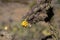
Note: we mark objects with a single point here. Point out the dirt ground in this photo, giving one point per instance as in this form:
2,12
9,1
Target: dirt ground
12,11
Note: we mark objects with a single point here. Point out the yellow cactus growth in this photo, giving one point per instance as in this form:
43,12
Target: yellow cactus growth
24,23
46,32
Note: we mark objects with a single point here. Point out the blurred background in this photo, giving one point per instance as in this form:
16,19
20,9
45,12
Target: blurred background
11,13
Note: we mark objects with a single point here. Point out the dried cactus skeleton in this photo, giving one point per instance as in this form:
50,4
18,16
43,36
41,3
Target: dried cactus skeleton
42,7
